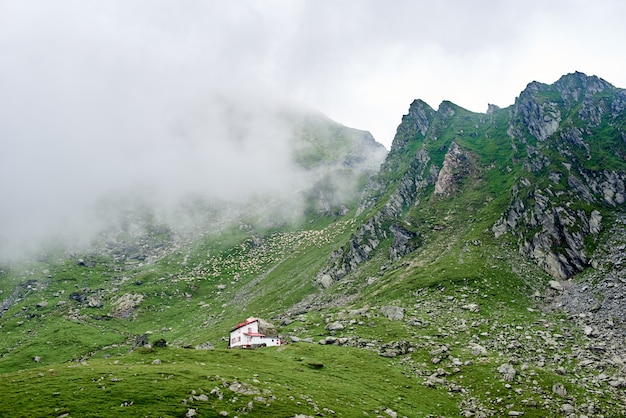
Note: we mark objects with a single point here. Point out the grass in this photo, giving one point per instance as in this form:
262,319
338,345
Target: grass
280,382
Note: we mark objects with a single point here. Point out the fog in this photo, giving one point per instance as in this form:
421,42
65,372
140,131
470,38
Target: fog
94,115
158,100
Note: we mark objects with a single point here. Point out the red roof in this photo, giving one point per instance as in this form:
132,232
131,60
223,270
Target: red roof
244,323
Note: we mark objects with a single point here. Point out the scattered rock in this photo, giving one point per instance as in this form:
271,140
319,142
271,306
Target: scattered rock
124,306
156,361
37,359
395,348
42,304
472,307
205,346
330,340
243,388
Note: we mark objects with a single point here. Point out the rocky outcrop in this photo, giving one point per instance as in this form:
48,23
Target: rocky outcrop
414,124
456,166
551,234
540,119
565,129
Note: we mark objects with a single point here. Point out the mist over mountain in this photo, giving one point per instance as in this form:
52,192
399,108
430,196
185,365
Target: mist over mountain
70,170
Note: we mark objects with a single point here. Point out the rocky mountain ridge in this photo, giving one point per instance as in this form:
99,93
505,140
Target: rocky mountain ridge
563,150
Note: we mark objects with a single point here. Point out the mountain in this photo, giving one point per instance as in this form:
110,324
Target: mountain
555,159
476,272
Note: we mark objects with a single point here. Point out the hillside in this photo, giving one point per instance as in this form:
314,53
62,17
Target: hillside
477,273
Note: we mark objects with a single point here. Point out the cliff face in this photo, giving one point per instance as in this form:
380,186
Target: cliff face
551,168
574,137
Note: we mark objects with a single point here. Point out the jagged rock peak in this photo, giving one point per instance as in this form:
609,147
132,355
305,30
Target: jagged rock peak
421,113
491,109
572,87
416,121
576,83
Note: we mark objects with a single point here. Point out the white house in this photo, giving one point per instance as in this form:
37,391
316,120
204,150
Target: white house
252,333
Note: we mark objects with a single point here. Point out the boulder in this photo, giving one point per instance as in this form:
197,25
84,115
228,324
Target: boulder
477,349
161,343
395,313
94,302
141,340
556,285
335,326
507,371
559,389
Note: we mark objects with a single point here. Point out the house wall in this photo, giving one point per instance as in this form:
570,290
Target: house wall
239,339
268,341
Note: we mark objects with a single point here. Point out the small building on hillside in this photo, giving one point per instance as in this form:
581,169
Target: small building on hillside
253,333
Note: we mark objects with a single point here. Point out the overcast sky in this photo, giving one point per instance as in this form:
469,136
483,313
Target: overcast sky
94,94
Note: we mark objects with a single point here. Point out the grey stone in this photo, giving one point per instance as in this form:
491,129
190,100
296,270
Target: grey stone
555,285
559,389
395,313
205,346
508,372
335,326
